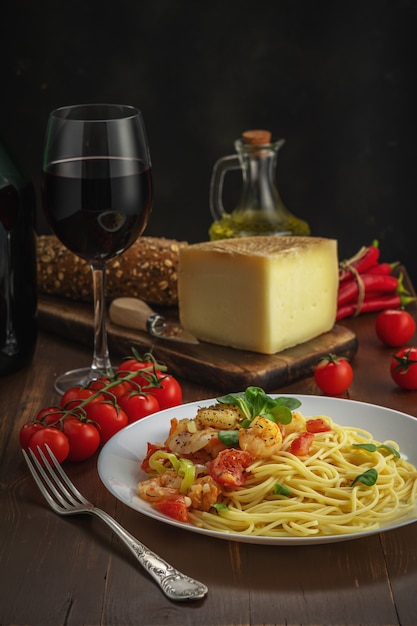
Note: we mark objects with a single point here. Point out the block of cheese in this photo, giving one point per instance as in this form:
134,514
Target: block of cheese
263,294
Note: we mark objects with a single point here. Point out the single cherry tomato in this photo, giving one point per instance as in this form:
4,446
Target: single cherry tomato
129,365
137,405
52,437
76,395
404,367
135,365
49,415
167,390
395,327
109,417
70,394
99,383
174,507
117,387
333,375
124,386
302,444
317,425
147,371
83,437
228,468
26,433
144,377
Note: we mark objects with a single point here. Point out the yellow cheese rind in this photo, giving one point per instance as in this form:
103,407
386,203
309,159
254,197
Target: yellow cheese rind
263,294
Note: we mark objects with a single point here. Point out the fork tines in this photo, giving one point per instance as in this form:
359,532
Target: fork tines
53,482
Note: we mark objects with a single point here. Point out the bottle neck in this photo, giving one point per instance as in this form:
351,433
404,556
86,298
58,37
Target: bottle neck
259,191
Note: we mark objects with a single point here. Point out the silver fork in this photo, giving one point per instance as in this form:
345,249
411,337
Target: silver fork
65,499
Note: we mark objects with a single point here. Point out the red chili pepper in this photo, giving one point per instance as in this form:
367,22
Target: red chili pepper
374,295
380,303
349,291
361,262
382,268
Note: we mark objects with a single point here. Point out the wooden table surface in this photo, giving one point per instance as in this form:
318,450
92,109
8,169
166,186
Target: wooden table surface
73,571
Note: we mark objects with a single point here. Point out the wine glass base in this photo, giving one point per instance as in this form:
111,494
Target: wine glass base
81,376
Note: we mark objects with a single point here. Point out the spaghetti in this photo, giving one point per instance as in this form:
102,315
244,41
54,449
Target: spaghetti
323,493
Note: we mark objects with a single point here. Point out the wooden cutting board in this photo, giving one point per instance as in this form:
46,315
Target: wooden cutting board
224,369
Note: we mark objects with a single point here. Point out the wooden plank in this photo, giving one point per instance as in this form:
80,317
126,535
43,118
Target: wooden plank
216,366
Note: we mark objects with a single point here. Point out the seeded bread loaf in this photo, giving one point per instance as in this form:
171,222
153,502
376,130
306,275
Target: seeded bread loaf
147,270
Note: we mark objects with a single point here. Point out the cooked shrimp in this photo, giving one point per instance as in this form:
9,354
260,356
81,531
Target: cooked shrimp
221,416
203,493
182,425
297,424
261,439
185,439
160,487
185,443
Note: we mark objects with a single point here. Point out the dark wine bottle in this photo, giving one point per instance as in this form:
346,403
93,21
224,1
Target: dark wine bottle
18,288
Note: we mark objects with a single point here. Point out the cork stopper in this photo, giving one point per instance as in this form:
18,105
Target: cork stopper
256,137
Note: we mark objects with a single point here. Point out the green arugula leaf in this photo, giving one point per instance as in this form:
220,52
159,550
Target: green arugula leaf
255,402
219,506
368,478
281,490
371,447
229,438
238,399
290,403
390,449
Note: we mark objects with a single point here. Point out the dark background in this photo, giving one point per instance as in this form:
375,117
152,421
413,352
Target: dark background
336,79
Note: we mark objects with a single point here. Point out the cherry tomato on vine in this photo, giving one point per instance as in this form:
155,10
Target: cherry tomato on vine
121,388
135,365
70,394
49,415
404,367
333,375
75,395
52,437
137,405
99,383
83,437
116,390
130,365
168,392
109,417
26,433
395,327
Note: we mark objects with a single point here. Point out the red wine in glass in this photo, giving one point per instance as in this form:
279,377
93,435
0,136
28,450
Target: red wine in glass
99,216
97,196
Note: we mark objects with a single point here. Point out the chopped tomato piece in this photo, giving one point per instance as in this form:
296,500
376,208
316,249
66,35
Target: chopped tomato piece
174,507
302,444
228,468
317,425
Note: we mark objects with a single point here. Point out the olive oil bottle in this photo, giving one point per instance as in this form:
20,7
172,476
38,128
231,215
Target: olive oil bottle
260,210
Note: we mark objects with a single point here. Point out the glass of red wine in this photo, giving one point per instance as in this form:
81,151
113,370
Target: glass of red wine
97,196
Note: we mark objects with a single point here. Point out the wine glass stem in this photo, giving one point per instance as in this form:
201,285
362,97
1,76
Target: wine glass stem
101,360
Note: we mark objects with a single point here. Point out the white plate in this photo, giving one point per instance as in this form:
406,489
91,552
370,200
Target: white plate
119,460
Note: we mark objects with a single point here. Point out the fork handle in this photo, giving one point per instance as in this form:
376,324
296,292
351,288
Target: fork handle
174,584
